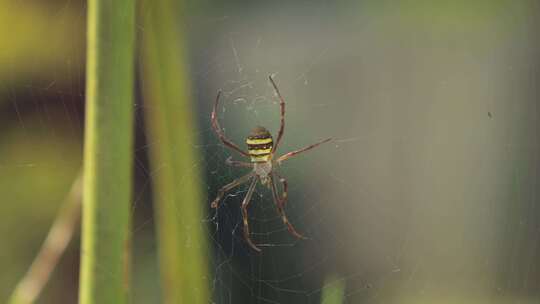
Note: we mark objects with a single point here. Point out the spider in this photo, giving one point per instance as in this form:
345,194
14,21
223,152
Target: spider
261,151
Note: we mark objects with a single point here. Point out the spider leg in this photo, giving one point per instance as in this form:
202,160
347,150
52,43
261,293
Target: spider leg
235,183
245,204
286,156
285,189
236,163
282,114
280,203
220,132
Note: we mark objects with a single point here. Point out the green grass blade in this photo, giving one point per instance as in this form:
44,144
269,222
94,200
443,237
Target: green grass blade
333,291
108,152
178,198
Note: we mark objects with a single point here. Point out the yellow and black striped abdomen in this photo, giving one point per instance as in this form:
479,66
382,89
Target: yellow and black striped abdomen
260,144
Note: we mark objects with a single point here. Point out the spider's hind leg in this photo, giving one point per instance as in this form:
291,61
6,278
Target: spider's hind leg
228,187
280,204
245,204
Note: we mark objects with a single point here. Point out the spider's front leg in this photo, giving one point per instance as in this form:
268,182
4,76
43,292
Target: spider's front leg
219,131
286,156
281,114
235,163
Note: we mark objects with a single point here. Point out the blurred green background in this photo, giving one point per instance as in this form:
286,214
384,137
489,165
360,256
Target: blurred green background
427,195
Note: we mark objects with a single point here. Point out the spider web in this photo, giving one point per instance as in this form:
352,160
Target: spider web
283,272
288,270
426,194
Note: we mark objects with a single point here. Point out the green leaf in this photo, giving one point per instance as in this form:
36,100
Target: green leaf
108,152
176,177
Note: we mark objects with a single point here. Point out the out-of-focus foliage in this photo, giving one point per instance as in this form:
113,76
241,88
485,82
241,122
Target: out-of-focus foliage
41,45
37,164
178,196
41,40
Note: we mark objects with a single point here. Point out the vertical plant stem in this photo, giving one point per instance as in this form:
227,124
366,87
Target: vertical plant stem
107,152
179,201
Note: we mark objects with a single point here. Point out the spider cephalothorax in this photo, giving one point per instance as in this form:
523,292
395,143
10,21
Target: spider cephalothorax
261,149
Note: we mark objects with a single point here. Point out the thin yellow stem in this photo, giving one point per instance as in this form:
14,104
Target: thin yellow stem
31,285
